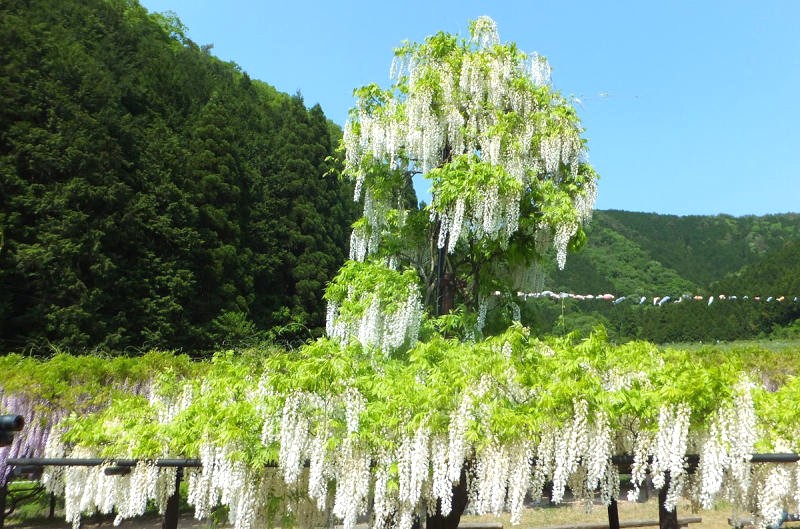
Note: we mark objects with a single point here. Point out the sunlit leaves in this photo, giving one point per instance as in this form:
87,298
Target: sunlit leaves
375,305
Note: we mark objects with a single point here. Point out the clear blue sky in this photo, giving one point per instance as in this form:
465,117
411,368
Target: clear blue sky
690,107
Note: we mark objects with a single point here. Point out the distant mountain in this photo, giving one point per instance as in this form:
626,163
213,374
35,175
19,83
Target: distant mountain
631,253
646,254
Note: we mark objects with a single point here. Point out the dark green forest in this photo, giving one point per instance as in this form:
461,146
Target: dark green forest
152,195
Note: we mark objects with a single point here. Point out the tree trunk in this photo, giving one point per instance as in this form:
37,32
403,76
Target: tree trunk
438,521
445,299
447,293
445,285
666,519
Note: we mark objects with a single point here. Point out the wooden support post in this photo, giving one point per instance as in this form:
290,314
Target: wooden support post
613,515
52,514
173,504
666,519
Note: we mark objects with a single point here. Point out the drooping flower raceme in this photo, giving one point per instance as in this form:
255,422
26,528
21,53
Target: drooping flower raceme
374,305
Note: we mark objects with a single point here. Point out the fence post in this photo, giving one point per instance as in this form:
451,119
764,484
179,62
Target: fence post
173,503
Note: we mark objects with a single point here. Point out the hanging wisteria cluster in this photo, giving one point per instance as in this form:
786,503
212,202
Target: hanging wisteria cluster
365,238
483,206
30,442
478,99
41,415
88,489
376,327
376,306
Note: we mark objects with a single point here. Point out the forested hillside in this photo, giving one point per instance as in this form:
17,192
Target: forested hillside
649,255
778,271
152,195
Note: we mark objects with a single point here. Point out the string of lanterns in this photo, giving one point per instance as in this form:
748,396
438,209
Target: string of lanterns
655,300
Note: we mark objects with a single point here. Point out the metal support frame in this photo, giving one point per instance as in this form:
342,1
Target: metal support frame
173,504
613,515
97,461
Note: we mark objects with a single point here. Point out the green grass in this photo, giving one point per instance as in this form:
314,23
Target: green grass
32,502
577,512
777,345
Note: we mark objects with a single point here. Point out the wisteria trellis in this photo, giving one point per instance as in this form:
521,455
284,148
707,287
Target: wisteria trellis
387,440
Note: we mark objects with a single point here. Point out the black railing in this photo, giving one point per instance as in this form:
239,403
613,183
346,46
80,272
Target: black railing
32,465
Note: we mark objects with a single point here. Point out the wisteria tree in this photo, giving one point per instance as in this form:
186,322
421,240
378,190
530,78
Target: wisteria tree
503,154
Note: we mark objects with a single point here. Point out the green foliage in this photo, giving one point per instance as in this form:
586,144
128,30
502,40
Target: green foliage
78,384
508,390
522,386
235,328
469,179
778,411
357,284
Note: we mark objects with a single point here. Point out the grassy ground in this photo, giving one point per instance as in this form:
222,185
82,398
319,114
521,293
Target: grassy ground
578,513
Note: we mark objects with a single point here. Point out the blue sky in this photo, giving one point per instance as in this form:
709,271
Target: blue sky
690,107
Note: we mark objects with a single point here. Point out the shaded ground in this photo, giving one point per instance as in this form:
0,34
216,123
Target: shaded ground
186,521
577,513
532,518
